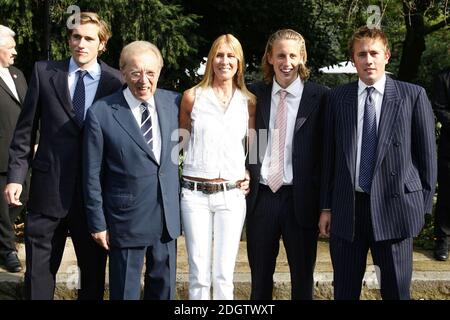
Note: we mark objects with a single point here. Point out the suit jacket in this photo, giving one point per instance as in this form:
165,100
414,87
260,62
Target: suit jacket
306,149
9,112
441,106
125,188
56,167
405,172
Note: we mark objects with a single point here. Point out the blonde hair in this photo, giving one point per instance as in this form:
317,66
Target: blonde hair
238,78
91,17
139,47
284,34
370,33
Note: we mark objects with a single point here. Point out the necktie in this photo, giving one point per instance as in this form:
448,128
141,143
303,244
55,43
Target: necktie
369,143
275,179
79,97
146,125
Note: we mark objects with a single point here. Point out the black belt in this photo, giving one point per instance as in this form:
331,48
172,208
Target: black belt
208,187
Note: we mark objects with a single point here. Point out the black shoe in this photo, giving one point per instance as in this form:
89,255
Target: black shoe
11,262
441,249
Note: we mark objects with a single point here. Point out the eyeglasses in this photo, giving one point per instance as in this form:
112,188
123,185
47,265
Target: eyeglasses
137,75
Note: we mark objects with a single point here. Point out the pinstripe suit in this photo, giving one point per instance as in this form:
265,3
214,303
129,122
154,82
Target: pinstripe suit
293,211
403,185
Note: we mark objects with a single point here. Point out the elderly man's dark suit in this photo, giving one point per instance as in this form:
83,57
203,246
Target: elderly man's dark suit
133,196
56,202
298,223
403,184
9,113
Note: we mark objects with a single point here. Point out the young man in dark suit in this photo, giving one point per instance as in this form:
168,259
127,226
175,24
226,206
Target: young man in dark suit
131,180
441,106
58,97
284,173
379,171
13,87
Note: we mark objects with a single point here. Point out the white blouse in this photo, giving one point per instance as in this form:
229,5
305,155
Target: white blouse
216,147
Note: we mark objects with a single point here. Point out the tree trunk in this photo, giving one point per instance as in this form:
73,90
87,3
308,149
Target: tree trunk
414,43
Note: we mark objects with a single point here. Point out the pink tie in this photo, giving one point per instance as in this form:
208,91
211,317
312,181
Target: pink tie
275,179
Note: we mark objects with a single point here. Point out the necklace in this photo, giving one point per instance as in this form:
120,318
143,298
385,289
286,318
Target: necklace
224,99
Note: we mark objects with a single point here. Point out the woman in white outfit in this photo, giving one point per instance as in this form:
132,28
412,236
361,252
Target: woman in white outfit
217,115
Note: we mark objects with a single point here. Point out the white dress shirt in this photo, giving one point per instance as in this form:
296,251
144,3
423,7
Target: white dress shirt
91,81
377,96
7,78
137,113
293,97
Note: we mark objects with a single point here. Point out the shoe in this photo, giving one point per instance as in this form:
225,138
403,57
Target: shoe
11,262
441,249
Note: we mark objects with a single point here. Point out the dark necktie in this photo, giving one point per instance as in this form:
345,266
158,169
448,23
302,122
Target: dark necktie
146,125
369,143
79,97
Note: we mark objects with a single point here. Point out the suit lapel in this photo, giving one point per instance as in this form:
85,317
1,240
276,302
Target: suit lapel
60,85
21,89
263,108
307,105
105,80
389,111
348,112
5,86
164,121
126,120
266,100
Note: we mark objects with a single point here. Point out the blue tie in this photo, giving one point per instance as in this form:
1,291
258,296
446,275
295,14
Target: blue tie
146,125
369,143
79,98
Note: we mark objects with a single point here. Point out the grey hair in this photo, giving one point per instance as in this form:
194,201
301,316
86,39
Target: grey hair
137,47
5,32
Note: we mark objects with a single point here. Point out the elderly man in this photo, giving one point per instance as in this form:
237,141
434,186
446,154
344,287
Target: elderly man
12,93
131,183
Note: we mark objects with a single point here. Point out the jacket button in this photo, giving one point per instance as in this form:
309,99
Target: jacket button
395,195
396,144
393,173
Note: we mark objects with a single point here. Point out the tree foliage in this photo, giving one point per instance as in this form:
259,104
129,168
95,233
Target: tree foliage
252,22
164,24
185,29
410,26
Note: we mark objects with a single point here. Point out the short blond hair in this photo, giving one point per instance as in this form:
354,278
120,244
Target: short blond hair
104,33
370,33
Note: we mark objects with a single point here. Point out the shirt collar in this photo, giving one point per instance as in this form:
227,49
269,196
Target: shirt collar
295,88
379,85
94,71
5,71
135,103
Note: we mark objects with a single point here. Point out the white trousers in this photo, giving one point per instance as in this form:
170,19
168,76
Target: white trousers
212,227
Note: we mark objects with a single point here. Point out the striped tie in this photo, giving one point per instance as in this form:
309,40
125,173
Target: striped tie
275,179
369,143
146,125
